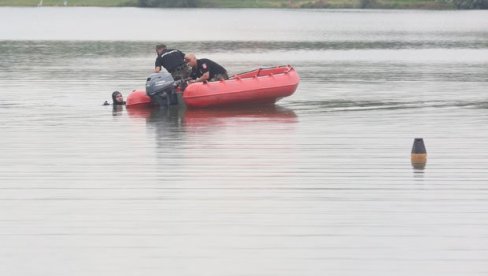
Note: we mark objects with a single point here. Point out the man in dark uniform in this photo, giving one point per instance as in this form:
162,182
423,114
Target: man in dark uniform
173,61
205,69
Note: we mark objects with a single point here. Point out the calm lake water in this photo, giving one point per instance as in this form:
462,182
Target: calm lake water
320,184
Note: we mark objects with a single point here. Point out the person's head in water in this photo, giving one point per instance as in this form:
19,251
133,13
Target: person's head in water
117,98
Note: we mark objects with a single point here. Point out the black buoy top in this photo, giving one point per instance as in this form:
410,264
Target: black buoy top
418,146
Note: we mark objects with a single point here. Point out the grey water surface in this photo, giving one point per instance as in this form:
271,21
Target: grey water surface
319,184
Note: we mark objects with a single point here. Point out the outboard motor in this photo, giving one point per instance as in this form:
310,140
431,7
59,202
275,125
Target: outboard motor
161,87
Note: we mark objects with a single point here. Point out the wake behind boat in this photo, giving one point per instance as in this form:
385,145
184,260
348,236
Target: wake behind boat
260,86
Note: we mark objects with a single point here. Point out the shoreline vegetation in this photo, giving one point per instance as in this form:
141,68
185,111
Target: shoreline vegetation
287,4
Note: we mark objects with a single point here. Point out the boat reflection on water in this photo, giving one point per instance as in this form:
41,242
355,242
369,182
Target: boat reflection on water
140,112
238,116
188,119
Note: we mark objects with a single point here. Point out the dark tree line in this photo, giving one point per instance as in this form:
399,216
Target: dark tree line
470,4
459,4
168,3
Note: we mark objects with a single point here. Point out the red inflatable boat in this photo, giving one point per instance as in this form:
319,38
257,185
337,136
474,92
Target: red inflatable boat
260,86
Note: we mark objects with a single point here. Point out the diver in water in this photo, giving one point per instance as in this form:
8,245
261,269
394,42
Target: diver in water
117,98
117,102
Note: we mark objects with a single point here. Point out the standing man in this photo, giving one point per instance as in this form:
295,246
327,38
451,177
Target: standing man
205,69
173,61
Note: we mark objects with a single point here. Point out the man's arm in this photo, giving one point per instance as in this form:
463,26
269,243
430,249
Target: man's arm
204,77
